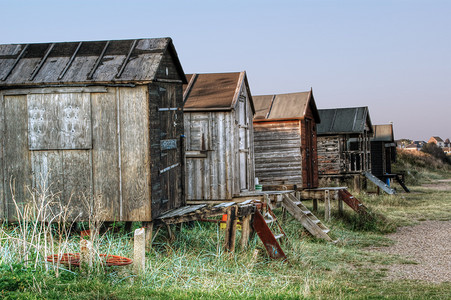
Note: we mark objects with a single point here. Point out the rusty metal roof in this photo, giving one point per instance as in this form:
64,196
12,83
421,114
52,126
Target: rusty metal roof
214,91
119,61
344,120
284,106
383,133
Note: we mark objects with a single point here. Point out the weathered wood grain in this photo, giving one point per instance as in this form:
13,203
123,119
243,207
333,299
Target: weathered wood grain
17,168
105,153
135,156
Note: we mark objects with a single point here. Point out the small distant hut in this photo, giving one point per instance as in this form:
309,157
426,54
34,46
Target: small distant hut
285,140
344,141
92,120
383,150
218,115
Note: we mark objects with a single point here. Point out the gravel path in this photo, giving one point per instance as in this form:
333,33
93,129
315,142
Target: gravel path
428,244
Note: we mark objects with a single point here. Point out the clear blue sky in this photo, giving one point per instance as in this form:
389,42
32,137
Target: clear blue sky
393,56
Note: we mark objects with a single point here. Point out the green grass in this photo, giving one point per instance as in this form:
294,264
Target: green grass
195,265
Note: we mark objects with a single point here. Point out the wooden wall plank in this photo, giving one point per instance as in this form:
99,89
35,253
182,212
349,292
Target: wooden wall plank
105,154
135,154
3,209
77,177
17,161
278,162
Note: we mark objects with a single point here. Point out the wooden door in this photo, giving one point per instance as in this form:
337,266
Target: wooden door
243,132
166,180
309,165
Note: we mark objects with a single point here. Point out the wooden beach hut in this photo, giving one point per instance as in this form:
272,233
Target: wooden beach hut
383,150
218,114
344,141
285,140
96,123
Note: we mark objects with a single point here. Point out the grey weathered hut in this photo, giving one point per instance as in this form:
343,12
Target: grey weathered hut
218,114
96,120
383,150
344,141
285,140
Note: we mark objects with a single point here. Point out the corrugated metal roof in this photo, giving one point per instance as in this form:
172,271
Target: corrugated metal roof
214,91
85,62
383,133
284,106
344,120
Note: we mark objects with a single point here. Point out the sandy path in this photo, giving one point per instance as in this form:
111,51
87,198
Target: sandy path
429,245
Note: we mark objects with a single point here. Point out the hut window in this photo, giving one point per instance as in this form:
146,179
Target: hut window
199,135
59,121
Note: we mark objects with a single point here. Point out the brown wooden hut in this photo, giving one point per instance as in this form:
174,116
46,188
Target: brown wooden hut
383,150
344,141
285,140
218,114
92,120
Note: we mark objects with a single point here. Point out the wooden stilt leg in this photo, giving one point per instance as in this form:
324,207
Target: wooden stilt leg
245,231
149,228
230,232
327,205
315,205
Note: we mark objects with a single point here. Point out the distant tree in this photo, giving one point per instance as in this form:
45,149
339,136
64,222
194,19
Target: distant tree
435,151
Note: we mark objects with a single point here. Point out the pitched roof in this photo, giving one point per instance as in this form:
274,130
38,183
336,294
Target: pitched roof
119,61
285,106
383,133
214,91
344,120
436,138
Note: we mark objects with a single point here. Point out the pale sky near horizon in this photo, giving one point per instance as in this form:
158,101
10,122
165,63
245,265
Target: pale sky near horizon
392,56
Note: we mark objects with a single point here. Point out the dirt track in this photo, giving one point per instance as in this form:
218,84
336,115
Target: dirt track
429,245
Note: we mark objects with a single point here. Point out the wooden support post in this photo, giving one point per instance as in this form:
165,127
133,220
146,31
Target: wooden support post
327,205
245,231
149,229
230,232
357,183
340,203
128,226
139,251
315,205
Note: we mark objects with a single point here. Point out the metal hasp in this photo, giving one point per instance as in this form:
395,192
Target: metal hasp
269,240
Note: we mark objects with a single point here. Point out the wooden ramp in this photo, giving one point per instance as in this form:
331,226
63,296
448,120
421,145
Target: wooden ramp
352,202
379,183
306,217
267,236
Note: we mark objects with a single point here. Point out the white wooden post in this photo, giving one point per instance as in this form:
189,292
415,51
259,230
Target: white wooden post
139,251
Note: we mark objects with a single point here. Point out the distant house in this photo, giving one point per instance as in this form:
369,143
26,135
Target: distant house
344,141
437,140
415,146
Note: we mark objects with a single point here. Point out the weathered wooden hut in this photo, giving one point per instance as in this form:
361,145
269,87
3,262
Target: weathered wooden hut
344,141
285,140
99,120
218,114
383,150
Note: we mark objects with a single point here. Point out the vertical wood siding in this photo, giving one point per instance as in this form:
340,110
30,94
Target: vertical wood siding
214,170
116,171
278,157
